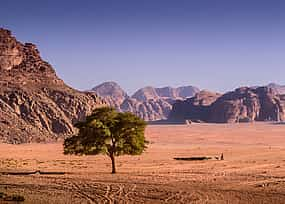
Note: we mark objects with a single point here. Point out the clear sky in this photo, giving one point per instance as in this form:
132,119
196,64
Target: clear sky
213,44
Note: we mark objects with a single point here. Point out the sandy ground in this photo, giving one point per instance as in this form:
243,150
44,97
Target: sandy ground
253,170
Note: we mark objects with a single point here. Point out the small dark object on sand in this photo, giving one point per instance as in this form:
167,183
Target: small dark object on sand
222,156
192,158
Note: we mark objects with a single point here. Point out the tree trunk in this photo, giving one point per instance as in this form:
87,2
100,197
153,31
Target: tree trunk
113,164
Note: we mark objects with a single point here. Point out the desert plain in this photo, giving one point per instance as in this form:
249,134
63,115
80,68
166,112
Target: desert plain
253,169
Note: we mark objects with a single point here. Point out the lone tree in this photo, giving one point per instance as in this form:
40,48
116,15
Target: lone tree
109,132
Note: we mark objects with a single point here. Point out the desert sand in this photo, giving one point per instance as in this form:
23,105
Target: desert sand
253,169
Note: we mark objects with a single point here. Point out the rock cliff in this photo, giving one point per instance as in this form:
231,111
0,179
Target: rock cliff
35,105
241,105
196,108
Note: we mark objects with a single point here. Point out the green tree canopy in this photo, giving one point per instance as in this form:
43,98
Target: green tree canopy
109,132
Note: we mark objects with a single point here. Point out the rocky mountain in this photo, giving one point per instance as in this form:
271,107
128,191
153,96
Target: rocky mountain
241,105
145,94
149,110
112,93
149,92
278,88
149,103
196,108
35,105
175,93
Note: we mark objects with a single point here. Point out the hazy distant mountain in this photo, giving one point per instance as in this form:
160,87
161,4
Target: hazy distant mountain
149,92
145,94
278,88
110,89
35,105
149,103
112,93
241,105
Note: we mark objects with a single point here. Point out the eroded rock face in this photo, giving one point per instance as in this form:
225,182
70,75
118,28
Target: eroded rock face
112,93
150,110
151,93
177,93
145,94
242,105
247,104
148,103
196,108
11,50
35,105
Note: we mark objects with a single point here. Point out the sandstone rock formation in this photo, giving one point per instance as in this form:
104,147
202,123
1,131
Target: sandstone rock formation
112,93
242,105
149,110
35,105
145,94
170,93
148,103
196,108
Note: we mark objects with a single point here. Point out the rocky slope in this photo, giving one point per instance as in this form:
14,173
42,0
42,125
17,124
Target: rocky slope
149,103
35,105
112,93
241,105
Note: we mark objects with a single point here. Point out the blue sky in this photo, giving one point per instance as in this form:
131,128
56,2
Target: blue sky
213,44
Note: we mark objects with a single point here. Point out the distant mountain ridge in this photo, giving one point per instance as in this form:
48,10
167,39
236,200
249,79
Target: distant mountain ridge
244,104
149,92
189,103
149,103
